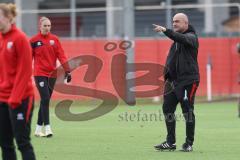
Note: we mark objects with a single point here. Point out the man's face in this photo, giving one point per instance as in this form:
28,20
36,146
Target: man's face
45,27
179,24
3,21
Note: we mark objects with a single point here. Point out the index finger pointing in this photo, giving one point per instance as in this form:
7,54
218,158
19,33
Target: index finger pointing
155,25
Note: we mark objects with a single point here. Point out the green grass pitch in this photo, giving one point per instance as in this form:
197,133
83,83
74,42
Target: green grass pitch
129,133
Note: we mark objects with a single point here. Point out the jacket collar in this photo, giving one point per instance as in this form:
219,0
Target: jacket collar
13,28
190,29
44,36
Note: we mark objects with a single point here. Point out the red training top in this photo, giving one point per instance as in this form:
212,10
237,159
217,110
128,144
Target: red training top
15,67
46,50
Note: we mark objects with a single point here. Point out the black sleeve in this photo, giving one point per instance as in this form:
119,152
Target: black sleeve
186,39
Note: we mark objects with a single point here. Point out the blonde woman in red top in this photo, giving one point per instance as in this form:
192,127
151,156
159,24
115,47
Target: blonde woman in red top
46,51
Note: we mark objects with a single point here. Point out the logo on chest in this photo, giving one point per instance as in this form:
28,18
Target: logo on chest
37,44
52,42
9,45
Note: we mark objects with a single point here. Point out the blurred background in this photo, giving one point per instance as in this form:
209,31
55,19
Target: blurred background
105,18
85,26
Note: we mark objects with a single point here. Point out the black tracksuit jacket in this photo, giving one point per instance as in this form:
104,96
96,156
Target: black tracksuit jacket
182,64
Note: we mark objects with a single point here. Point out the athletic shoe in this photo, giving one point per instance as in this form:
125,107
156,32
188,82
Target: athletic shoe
38,131
165,146
186,147
48,131
39,134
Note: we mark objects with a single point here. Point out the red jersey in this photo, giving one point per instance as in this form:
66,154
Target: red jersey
15,67
46,50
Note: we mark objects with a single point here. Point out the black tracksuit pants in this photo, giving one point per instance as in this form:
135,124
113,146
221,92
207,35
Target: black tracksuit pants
45,87
16,124
185,95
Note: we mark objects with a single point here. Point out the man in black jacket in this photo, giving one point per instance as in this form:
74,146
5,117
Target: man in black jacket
183,73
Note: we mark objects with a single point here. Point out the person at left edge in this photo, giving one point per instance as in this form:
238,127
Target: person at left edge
47,50
16,91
